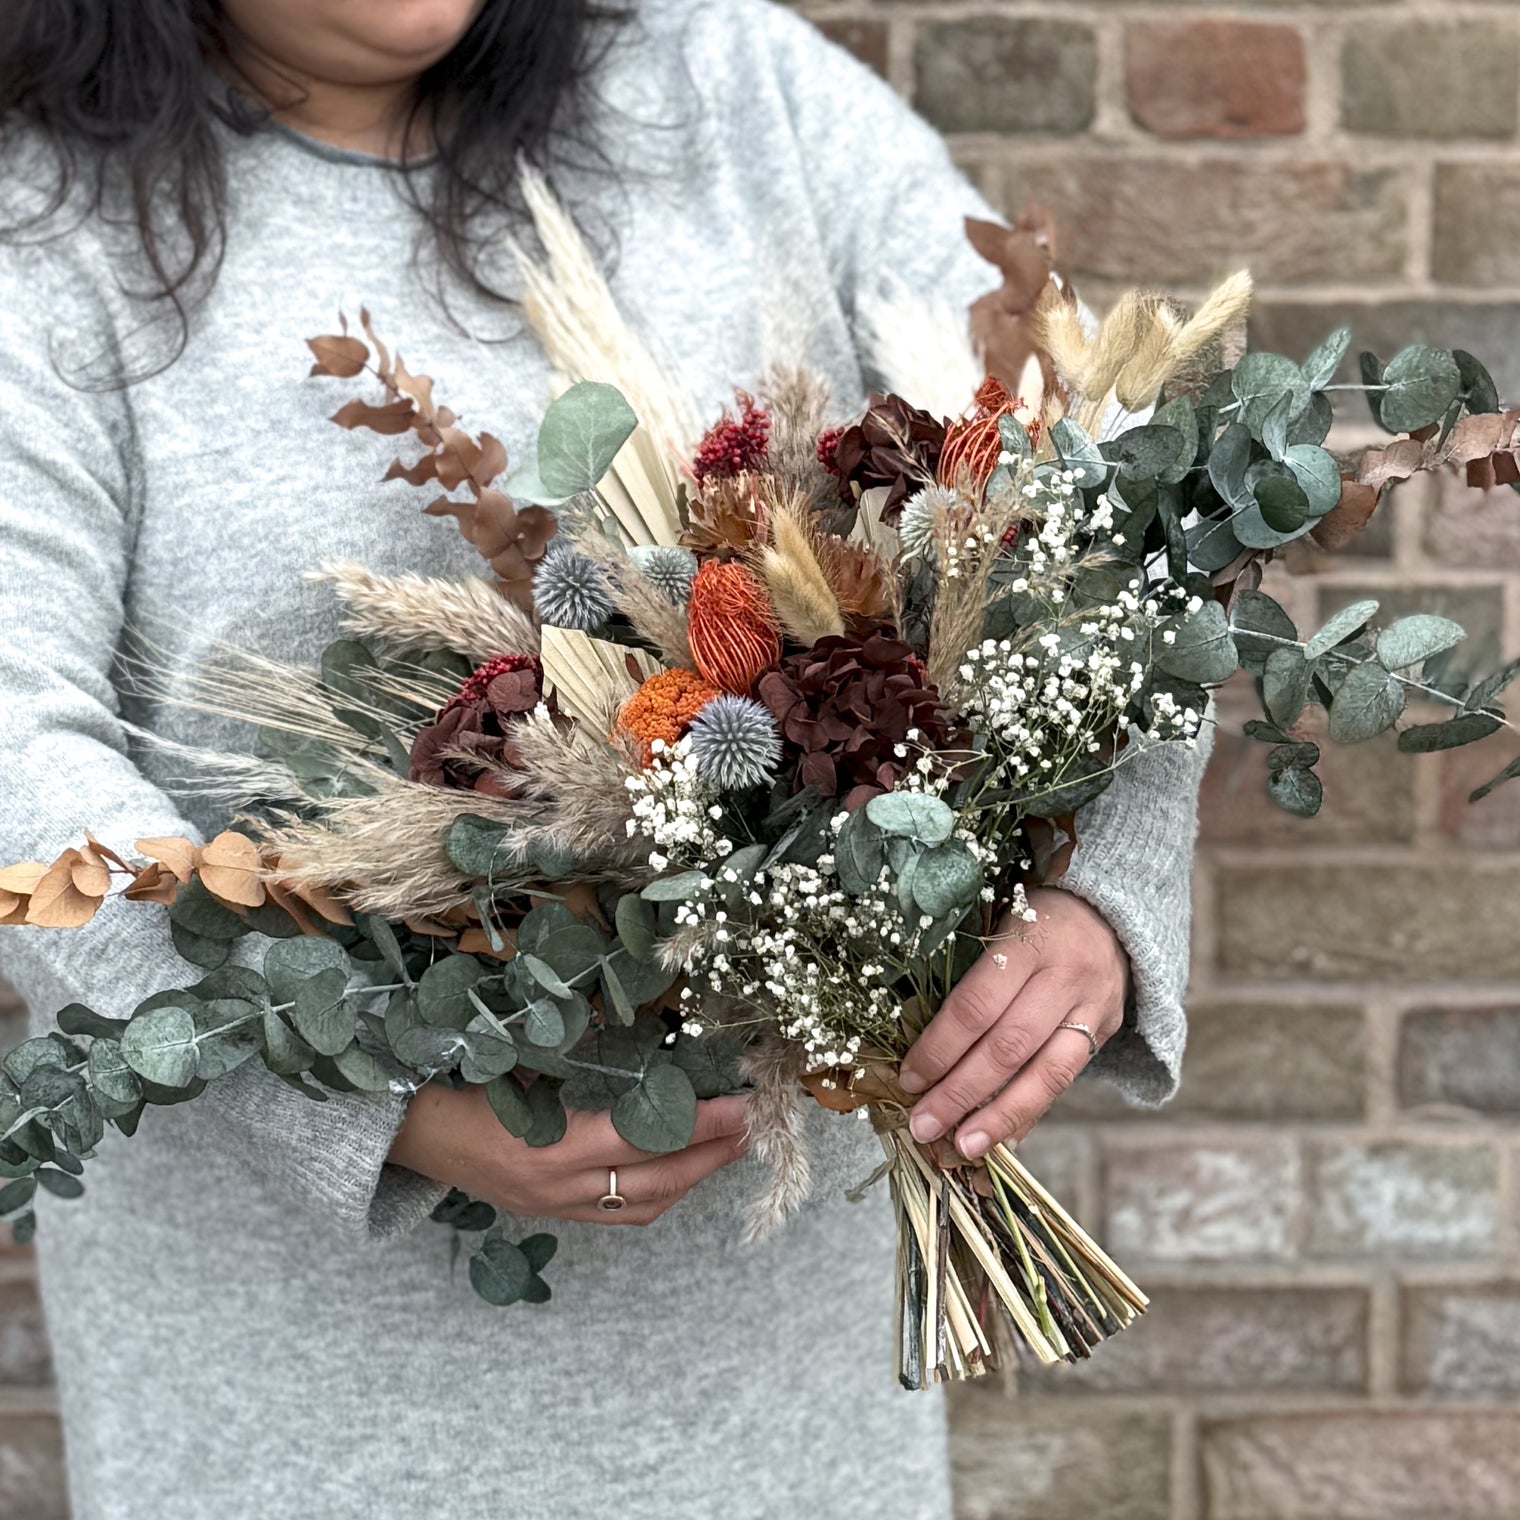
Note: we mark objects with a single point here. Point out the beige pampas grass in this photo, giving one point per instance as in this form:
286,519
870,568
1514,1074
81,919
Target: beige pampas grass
572,310
469,615
919,347
777,1132
800,591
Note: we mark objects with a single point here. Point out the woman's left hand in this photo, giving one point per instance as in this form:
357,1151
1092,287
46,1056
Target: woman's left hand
995,1051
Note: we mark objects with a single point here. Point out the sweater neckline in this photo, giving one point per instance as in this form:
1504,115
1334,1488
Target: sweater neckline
333,154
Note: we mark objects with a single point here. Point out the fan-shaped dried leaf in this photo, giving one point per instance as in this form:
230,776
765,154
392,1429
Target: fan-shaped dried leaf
174,854
57,902
341,357
230,868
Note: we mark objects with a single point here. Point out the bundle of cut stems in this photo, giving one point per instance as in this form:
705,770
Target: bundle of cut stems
981,1245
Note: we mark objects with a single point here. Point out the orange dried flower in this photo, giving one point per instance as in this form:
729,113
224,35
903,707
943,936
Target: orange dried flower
663,706
731,625
972,446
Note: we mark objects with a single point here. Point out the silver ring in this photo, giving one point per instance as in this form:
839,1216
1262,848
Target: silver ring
612,1200
1092,1039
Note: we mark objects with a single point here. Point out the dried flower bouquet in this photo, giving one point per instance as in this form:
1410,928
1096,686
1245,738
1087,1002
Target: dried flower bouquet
752,739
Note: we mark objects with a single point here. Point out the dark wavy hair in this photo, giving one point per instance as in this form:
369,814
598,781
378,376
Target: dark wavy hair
128,96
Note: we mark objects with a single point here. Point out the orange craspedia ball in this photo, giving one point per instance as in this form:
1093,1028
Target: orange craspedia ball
731,625
663,706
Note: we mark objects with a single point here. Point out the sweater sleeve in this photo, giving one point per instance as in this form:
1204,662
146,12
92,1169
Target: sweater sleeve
887,185
67,466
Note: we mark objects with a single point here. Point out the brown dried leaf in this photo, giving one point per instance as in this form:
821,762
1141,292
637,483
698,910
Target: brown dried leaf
176,855
1348,516
434,928
155,883
390,420
21,879
418,474
343,358
323,903
230,868
56,902
382,353
478,942
90,873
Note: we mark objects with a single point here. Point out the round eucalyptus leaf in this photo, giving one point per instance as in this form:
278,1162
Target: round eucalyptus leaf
545,975
858,854
1342,626
659,1114
1478,385
1202,648
443,991
1282,502
580,436
160,1046
1321,366
487,1054
544,1024
199,949
110,1075
539,1250
634,919
499,1272
1259,626
321,1014
362,1069
946,877
1296,790
573,953
1318,475
60,1184
45,1050
1368,702
912,815
1263,382
290,963
1413,640
1285,686
1079,452
1422,383
1211,544
509,1102
1229,461
1312,425
286,1054
18,1194
424,1048
684,886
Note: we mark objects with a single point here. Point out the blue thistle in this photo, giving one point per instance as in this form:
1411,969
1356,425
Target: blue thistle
668,569
735,743
569,589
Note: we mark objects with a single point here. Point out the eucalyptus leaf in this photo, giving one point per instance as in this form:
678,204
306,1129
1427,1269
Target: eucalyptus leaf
84,1022
476,846
1422,382
286,1054
581,434
659,1113
443,991
684,886
1211,544
499,1272
1321,366
1202,648
1285,686
946,877
321,1014
1468,728
1477,384
1296,790
1317,474
160,1046
1346,623
912,815
290,964
1079,452
634,919
1369,701
110,1075
1262,382
1509,773
1413,640
1229,461
199,949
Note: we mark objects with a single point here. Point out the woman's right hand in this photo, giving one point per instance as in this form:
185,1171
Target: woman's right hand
454,1138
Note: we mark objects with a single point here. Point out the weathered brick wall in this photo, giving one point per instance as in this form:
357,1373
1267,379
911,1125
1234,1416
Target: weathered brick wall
1327,1217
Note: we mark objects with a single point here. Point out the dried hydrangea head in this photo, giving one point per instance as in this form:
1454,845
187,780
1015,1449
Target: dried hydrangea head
663,706
893,445
735,743
570,590
470,746
668,568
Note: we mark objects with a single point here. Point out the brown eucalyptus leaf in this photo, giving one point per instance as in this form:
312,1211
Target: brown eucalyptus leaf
21,879
418,474
56,903
390,420
341,357
322,903
1348,516
176,855
230,868
382,353
90,874
418,388
155,883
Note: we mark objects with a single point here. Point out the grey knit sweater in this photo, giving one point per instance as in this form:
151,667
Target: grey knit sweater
250,1314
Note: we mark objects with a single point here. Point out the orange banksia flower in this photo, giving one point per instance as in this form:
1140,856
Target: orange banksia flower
731,626
663,706
973,446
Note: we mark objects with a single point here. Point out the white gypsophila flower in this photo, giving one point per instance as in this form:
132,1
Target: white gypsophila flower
672,808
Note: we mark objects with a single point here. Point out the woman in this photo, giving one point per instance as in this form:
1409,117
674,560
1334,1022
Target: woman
250,1313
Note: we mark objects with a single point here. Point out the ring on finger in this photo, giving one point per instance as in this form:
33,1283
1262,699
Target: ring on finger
612,1200
1086,1029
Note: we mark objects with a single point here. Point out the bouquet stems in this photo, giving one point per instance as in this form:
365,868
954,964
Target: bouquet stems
984,1250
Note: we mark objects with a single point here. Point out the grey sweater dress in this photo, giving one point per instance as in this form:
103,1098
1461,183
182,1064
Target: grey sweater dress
250,1313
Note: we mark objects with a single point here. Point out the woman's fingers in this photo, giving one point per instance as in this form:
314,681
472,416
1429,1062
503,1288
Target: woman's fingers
591,1142
655,1184
1020,1105
1008,1043
974,1005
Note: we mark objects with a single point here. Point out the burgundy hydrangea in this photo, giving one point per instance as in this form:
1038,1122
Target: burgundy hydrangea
894,445
846,704
478,721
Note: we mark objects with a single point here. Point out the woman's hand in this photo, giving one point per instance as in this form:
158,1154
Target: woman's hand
455,1138
995,1050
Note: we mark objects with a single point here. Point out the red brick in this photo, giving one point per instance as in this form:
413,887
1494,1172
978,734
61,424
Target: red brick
1468,527
1215,78
31,1466
1493,823
1462,1342
24,1357
1431,78
1363,1465
1138,219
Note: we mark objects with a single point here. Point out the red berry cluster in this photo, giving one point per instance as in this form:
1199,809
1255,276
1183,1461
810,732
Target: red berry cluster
474,688
828,449
733,447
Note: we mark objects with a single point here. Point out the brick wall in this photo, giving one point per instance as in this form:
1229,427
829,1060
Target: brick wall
1327,1217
